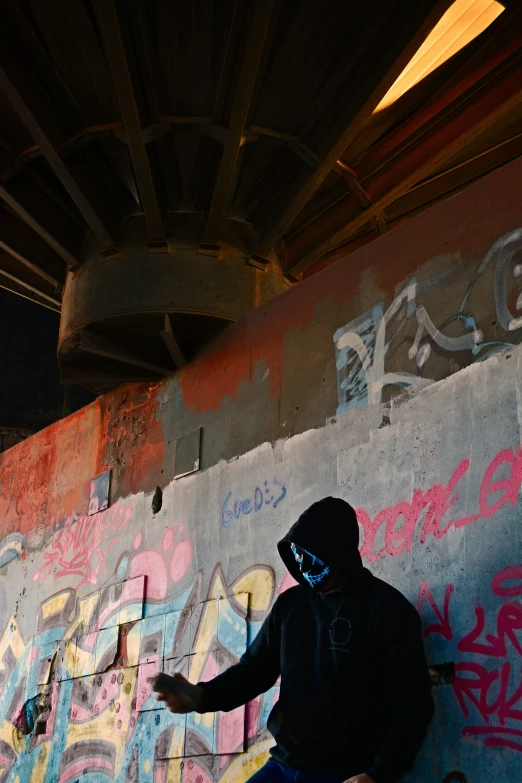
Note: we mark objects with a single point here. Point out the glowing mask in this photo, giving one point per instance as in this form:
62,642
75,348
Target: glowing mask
313,569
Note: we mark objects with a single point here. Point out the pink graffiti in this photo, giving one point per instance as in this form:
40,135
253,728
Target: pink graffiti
427,510
495,693
168,539
181,560
80,546
151,565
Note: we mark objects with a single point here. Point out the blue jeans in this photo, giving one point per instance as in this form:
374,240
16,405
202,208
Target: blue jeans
274,772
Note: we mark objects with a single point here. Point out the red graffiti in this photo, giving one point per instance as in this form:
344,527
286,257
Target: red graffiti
443,625
427,511
495,694
509,487
80,546
509,620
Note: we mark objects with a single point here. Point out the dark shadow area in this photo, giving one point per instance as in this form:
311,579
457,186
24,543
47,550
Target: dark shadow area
31,395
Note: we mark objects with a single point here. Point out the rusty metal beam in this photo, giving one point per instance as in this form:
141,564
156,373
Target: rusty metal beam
178,120
149,132
380,222
29,298
71,261
260,131
418,162
459,176
29,264
394,69
353,183
170,341
125,92
30,287
53,158
91,133
109,349
261,12
418,124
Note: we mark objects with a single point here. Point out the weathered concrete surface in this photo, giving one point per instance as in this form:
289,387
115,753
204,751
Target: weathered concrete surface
434,470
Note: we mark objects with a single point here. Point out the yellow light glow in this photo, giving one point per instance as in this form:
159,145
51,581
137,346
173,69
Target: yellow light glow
462,22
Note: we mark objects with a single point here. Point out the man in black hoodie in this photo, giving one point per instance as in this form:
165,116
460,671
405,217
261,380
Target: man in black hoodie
355,699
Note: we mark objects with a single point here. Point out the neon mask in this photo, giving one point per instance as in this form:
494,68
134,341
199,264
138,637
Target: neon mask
313,569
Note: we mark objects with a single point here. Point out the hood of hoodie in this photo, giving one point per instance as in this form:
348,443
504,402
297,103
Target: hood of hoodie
329,530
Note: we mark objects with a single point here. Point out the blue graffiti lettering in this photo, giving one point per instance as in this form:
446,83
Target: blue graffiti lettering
258,499
226,514
252,504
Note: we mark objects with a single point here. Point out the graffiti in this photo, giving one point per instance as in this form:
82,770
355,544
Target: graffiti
362,345
426,511
80,545
13,545
74,699
267,496
489,697
442,626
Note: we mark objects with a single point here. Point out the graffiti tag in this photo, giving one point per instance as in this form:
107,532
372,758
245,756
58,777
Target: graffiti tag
490,697
362,345
269,495
81,545
427,510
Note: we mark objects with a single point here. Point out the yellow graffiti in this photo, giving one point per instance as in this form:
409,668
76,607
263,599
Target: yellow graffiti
245,766
259,584
54,605
11,736
174,769
177,742
86,607
133,645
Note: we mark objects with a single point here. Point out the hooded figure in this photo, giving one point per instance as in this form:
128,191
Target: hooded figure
330,531
355,695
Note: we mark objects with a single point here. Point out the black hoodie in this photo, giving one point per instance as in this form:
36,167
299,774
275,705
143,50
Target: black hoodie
355,691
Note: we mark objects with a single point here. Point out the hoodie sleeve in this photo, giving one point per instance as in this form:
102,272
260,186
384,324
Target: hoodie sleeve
407,690
256,672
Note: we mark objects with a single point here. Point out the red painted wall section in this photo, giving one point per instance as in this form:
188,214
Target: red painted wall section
132,437
47,476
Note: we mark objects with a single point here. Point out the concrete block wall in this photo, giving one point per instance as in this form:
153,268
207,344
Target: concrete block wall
392,379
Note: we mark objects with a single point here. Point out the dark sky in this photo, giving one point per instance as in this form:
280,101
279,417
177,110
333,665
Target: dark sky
31,395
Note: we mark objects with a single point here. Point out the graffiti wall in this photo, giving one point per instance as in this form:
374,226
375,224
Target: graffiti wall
406,331
111,596
392,379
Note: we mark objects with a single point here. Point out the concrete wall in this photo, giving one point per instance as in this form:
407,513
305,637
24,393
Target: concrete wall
328,389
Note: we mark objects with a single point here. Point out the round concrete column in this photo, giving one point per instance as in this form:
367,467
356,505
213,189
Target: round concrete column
113,314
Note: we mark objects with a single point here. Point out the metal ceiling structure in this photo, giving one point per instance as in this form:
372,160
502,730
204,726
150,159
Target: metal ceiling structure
167,166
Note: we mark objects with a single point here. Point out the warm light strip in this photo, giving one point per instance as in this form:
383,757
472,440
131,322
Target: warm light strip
462,22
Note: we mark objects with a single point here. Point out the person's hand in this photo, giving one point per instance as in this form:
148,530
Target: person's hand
360,779
176,703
